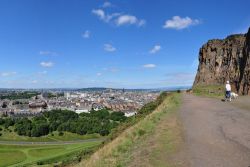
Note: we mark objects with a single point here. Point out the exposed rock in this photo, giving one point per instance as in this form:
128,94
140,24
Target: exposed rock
227,59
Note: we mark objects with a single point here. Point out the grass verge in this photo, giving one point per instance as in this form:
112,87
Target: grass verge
122,150
215,91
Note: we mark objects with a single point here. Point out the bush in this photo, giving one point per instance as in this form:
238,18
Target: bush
60,133
104,132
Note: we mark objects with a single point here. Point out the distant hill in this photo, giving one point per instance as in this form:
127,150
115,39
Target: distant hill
226,59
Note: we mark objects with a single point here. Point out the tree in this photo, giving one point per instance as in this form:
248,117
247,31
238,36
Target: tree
23,127
8,122
117,116
101,114
104,132
4,105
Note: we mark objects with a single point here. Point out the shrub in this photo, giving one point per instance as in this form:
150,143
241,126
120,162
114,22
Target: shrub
60,133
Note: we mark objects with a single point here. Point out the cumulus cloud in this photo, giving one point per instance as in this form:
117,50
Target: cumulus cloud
100,13
179,23
86,34
49,53
103,16
47,64
155,49
8,74
118,19
149,66
109,48
129,19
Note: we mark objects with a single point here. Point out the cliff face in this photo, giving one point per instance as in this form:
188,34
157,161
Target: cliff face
227,59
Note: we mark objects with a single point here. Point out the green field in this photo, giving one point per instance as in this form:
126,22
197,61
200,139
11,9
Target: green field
25,155
19,155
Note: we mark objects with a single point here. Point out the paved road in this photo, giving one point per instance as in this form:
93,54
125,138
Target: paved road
216,133
50,143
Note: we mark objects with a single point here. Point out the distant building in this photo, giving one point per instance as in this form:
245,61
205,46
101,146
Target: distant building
130,114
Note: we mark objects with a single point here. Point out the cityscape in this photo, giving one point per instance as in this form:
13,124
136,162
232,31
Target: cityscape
126,101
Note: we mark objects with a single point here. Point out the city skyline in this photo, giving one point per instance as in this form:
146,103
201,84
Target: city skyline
125,44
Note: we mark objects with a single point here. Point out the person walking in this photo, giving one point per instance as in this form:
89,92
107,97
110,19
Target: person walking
228,91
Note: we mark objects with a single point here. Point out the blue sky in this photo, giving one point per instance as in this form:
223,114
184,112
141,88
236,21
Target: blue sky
121,44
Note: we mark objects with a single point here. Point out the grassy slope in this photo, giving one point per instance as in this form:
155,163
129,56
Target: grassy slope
159,132
23,155
216,91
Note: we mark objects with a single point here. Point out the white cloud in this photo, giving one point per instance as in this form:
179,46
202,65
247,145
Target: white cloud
129,19
110,17
155,49
47,64
103,16
100,13
86,34
179,23
8,74
107,4
118,19
50,53
109,48
149,66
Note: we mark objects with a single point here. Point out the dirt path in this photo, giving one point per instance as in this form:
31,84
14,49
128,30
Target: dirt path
216,134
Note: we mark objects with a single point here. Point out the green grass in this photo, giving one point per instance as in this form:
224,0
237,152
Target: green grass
120,151
41,152
20,155
215,91
13,136
10,157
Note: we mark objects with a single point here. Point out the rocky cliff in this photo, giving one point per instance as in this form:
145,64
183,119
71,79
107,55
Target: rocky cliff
227,59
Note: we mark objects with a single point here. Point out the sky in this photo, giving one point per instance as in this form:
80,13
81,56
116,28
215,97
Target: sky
118,44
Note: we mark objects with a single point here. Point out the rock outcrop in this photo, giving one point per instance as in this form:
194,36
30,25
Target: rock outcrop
227,59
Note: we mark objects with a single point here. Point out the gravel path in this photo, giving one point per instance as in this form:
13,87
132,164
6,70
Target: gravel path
216,133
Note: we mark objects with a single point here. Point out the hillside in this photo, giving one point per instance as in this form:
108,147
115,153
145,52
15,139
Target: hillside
150,142
226,59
